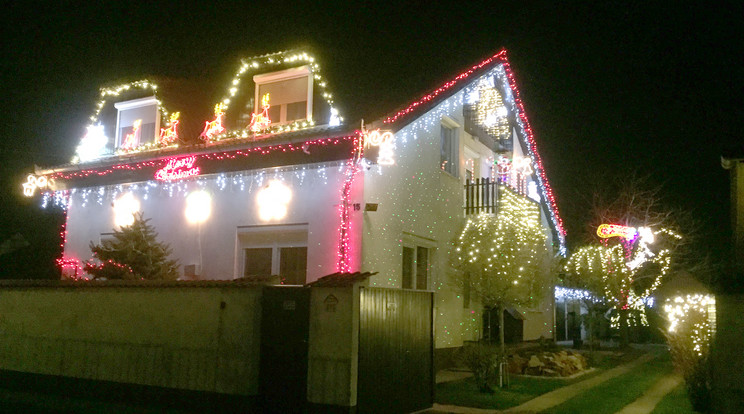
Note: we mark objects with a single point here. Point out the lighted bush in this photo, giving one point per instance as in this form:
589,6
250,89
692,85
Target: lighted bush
692,320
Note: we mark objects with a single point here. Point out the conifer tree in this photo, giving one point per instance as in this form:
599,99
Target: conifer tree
133,254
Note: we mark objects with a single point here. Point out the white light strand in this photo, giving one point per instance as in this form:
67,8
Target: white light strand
222,182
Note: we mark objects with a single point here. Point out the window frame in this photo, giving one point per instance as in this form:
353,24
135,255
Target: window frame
409,241
454,147
136,104
274,237
281,76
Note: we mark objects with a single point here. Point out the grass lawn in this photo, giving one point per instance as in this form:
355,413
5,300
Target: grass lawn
465,393
676,402
614,394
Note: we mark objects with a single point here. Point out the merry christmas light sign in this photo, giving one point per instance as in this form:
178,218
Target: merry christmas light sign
178,169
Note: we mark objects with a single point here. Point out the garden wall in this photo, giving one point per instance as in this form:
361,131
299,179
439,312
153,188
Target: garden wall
727,358
201,336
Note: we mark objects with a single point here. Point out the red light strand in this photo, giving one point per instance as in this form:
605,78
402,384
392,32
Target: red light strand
352,168
501,55
533,148
211,156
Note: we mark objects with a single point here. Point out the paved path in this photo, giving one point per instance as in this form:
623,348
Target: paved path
647,402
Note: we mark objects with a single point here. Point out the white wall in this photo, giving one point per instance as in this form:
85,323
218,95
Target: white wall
419,201
315,201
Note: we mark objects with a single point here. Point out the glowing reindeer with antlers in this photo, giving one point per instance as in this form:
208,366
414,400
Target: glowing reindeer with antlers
131,141
261,121
215,127
169,135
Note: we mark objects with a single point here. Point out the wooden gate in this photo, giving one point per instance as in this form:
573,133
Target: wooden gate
396,351
284,344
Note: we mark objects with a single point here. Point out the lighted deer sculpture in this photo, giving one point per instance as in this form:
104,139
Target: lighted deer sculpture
169,135
214,127
261,121
131,141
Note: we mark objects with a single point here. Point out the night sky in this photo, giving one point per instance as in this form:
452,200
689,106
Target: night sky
610,90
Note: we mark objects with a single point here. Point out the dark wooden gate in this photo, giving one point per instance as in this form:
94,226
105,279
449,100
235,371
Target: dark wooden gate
396,351
284,344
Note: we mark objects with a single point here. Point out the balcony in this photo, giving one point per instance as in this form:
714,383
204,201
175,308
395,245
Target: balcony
474,128
481,196
485,195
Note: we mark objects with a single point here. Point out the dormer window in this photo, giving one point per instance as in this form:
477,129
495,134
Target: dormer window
137,122
290,94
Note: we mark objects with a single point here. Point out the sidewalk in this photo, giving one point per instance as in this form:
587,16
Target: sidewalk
560,395
647,402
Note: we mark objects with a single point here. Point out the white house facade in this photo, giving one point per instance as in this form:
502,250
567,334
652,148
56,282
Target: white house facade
278,184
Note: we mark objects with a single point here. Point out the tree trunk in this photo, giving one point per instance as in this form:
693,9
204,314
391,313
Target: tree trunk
624,329
501,327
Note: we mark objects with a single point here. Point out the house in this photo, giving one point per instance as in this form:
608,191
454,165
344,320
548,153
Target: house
726,359
271,180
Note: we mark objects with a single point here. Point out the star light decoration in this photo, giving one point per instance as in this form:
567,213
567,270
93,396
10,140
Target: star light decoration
93,144
105,95
490,110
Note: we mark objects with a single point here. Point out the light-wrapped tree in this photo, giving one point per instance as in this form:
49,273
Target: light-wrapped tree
134,253
502,259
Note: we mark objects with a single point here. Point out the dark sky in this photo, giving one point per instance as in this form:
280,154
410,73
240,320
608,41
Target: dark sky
610,89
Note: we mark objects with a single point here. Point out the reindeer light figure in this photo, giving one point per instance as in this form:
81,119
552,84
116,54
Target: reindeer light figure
261,121
169,135
215,127
131,141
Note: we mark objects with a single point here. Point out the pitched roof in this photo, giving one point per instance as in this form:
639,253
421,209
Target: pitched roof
401,118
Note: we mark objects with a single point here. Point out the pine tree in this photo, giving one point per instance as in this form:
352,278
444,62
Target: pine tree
133,254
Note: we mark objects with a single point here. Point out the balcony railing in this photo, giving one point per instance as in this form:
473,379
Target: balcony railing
481,196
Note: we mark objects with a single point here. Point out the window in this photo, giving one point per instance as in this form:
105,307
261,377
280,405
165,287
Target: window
472,165
449,146
137,122
415,268
290,94
258,261
274,250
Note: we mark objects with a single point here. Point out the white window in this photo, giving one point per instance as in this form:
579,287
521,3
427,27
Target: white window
273,250
472,165
137,119
290,94
449,160
416,266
